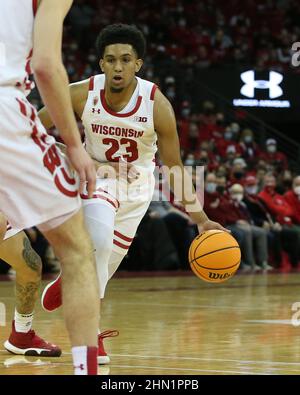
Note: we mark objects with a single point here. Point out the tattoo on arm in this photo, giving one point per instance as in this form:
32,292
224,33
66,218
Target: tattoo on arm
31,257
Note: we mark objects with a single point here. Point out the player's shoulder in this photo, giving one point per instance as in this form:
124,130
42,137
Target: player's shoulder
79,90
149,88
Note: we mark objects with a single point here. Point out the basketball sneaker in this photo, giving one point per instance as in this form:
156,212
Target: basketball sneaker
103,358
51,296
30,344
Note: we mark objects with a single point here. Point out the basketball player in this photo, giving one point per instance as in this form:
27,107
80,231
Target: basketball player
36,186
123,117
17,251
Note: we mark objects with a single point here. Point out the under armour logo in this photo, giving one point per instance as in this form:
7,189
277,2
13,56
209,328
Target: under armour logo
94,110
251,84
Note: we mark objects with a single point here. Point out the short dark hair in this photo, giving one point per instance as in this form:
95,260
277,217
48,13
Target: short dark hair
120,33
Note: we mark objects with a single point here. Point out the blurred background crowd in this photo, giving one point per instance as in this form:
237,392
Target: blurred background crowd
251,179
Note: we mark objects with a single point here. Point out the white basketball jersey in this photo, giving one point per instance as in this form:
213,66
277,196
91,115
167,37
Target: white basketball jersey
129,134
16,31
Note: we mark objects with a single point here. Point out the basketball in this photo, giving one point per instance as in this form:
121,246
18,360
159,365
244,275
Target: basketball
214,256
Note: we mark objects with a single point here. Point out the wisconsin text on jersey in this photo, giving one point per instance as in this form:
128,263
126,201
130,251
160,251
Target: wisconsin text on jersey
116,131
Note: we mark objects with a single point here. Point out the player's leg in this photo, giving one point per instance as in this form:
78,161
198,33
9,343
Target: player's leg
18,252
37,188
74,249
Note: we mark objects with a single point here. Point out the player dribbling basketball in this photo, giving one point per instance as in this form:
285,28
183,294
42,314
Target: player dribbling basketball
124,118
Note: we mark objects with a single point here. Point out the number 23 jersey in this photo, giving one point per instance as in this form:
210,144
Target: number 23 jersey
129,134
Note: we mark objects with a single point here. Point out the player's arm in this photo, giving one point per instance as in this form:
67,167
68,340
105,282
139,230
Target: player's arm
52,81
169,150
79,93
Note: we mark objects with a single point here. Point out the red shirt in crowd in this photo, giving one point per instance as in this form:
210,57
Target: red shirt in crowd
277,205
293,200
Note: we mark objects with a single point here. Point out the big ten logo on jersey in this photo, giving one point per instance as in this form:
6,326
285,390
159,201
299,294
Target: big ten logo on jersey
2,55
140,119
53,160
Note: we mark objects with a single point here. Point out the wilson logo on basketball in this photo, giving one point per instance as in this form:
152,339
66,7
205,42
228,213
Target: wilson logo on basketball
140,119
217,276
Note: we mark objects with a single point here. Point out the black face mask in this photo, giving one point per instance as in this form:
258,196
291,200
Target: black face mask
220,189
238,175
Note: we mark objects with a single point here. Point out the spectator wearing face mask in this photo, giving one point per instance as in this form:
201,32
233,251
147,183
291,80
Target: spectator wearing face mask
227,141
250,150
215,205
255,247
238,171
273,157
282,212
275,202
293,199
277,236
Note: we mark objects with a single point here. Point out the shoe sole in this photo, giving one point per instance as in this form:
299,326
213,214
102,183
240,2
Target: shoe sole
42,298
103,360
32,352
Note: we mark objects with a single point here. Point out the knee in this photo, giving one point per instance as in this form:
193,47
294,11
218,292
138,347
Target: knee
103,242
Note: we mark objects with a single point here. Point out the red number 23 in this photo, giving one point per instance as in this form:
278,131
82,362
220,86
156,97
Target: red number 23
131,149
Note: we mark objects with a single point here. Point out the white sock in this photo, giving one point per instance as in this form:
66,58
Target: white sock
23,322
84,360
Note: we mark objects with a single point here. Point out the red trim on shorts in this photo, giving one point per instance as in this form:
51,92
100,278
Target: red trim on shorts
153,90
123,237
22,107
91,361
97,196
116,114
34,6
63,189
69,180
91,84
117,243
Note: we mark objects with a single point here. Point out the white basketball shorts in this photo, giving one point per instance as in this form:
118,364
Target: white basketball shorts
35,183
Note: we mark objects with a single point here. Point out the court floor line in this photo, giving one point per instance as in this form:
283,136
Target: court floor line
203,359
187,369
193,306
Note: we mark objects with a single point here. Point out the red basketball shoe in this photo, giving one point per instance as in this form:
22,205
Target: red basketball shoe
30,344
52,297
103,358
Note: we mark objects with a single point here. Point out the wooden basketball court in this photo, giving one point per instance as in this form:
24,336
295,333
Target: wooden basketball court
179,325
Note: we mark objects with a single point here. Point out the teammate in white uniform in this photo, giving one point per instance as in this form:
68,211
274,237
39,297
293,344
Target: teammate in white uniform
124,117
36,186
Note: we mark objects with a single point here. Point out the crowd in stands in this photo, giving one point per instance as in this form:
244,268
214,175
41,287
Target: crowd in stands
249,186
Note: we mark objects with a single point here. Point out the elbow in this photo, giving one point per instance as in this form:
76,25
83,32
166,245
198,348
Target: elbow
44,68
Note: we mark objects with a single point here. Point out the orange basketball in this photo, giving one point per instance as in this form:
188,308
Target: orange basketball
214,256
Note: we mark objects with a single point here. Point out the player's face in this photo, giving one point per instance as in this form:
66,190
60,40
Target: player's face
120,64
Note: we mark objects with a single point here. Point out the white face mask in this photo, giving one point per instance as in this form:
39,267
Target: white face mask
238,197
272,148
211,187
252,190
297,190
248,139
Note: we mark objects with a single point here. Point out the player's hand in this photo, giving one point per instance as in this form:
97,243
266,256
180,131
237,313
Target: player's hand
211,225
120,169
84,166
